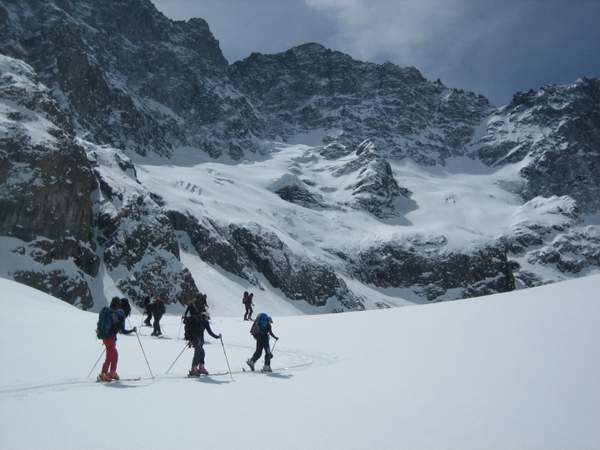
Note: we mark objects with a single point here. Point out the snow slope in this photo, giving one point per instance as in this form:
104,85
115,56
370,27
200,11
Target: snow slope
517,370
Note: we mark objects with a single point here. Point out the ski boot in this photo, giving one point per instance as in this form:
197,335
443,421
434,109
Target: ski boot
266,369
250,364
104,377
202,370
194,372
113,375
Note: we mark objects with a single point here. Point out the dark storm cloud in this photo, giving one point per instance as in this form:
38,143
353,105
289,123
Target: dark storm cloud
490,47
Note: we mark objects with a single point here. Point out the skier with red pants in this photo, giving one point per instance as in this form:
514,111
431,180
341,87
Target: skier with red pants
261,330
110,321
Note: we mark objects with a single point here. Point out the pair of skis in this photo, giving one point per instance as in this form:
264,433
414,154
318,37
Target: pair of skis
98,380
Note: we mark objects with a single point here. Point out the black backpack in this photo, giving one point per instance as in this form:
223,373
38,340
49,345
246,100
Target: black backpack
189,328
159,308
105,323
255,330
192,322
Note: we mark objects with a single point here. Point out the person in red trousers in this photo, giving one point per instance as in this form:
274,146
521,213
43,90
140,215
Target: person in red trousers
110,321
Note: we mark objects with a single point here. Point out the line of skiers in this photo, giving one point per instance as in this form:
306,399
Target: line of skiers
196,318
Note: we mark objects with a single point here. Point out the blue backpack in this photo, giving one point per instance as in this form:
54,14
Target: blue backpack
260,324
105,322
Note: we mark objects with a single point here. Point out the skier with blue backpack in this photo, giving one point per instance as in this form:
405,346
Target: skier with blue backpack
261,330
110,321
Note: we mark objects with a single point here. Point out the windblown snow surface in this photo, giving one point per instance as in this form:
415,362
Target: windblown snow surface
518,370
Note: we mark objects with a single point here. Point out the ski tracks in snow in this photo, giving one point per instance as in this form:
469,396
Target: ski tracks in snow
291,361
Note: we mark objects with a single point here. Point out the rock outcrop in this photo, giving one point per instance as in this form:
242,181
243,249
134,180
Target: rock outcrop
249,250
431,271
555,132
62,200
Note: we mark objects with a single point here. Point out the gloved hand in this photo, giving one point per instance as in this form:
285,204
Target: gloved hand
134,329
220,336
190,344
276,338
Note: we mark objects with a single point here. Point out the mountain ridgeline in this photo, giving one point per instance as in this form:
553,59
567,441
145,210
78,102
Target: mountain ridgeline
92,90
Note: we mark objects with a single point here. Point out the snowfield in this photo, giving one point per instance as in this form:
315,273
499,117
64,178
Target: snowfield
518,370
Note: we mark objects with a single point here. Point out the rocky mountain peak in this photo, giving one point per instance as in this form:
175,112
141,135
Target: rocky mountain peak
354,201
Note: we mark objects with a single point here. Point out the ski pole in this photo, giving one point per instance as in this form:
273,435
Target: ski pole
97,361
273,349
144,353
180,353
226,359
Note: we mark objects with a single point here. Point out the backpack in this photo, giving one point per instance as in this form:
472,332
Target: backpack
192,322
260,325
105,323
189,328
159,308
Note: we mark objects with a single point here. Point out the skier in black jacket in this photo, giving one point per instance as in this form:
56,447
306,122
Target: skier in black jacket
148,311
261,330
158,310
196,324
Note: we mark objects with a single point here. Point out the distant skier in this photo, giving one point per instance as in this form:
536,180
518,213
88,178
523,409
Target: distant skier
148,311
261,330
247,301
126,307
110,321
196,323
158,310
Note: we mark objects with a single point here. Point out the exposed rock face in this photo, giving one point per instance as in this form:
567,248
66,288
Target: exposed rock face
48,183
375,189
45,188
141,253
555,239
290,188
310,87
131,77
555,131
431,271
246,250
45,179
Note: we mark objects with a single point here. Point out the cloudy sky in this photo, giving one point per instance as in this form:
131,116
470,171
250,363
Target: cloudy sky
490,47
